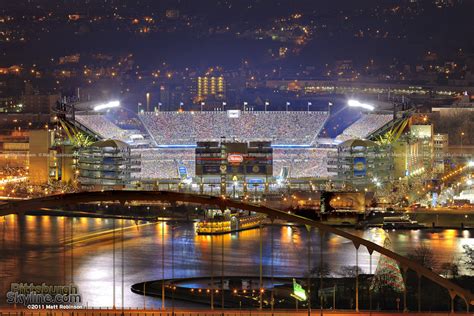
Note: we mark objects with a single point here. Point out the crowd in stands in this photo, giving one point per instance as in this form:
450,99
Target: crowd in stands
294,127
164,163
363,127
190,127
102,127
302,162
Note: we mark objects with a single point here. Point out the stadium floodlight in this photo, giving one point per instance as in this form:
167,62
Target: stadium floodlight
106,106
358,104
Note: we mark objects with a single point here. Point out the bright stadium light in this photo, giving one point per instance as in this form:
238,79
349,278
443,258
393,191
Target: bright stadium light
358,104
105,106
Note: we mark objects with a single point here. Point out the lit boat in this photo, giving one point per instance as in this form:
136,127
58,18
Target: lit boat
230,224
400,222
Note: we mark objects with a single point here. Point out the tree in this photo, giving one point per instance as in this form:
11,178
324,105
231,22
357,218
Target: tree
387,274
424,256
318,271
469,254
449,269
349,271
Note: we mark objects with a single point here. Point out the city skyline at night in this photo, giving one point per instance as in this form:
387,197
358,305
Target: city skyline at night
227,157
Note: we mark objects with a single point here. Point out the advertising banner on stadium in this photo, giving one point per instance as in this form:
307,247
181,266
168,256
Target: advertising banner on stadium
256,169
360,167
235,158
211,169
183,172
233,113
235,169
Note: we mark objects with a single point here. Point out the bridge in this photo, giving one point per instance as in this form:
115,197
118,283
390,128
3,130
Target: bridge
56,201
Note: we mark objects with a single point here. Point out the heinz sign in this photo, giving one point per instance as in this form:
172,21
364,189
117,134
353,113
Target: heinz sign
235,158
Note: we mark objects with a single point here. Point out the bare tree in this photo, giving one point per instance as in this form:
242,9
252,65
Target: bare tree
450,269
424,256
469,254
349,271
318,270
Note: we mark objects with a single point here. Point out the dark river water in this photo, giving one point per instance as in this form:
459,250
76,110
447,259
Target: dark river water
45,249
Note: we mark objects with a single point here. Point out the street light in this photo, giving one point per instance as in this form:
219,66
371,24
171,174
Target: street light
358,104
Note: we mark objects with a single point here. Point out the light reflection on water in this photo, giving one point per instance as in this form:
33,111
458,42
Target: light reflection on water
33,250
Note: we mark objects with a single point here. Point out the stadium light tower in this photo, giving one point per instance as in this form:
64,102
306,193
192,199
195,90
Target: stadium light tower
358,104
148,101
106,106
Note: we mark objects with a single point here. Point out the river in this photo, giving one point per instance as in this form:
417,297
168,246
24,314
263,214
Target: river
37,249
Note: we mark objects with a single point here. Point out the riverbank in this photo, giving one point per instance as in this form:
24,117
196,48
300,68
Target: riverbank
337,293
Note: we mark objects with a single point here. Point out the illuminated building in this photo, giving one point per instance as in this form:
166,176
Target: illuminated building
14,148
107,164
413,153
441,143
40,157
39,103
210,88
361,164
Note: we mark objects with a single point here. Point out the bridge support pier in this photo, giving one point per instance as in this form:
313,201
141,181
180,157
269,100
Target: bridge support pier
405,271
260,273
272,298
321,262
172,268
309,229
113,263
72,249
222,273
123,263
163,265
371,251
357,278
212,269
452,296
419,292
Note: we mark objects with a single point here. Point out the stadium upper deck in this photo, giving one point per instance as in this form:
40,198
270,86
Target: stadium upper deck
186,128
365,126
102,127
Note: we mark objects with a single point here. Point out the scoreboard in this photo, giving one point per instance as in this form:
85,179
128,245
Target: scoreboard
235,160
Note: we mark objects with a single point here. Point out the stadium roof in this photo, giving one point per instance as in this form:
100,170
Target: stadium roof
357,143
114,143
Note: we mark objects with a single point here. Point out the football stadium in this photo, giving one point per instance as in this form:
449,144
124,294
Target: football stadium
260,149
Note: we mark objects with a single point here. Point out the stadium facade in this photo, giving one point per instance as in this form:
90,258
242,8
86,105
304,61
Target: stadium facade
168,140
107,164
361,164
